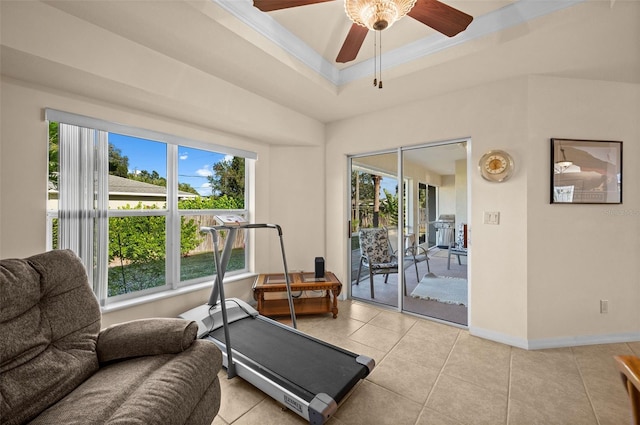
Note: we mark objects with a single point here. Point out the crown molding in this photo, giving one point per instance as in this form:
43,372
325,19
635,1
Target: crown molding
509,16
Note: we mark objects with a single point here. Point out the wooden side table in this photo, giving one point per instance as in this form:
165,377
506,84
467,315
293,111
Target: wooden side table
300,282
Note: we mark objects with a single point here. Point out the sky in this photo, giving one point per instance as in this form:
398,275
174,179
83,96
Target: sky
193,167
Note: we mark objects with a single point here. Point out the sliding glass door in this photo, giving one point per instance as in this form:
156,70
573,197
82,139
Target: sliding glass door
436,285
374,205
416,198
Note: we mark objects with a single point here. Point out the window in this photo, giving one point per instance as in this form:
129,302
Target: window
131,202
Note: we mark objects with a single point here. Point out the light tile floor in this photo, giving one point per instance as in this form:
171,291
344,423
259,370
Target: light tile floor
430,373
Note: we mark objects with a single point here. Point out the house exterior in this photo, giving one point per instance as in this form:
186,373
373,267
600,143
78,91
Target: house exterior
536,280
123,192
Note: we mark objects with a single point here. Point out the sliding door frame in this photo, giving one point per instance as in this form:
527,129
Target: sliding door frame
399,151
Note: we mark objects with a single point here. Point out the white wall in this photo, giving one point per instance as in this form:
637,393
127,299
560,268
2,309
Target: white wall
535,279
284,193
581,254
52,59
494,116
447,195
43,43
520,290
461,192
296,202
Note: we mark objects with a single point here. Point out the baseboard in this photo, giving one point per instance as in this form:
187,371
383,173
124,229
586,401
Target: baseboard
539,344
499,337
573,341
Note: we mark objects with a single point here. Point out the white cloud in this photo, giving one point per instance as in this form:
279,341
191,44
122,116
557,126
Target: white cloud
228,158
204,189
184,156
205,171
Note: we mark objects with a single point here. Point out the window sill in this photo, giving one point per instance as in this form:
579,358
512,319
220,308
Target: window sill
120,305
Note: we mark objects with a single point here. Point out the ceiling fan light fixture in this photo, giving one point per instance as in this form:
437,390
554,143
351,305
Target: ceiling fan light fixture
565,163
377,15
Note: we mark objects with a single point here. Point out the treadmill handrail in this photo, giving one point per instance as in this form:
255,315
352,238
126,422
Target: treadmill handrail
227,251
243,226
221,268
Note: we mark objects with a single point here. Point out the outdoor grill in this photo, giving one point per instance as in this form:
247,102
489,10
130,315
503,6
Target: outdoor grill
444,230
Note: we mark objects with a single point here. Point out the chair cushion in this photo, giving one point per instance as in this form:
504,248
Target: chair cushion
374,244
149,390
391,265
49,322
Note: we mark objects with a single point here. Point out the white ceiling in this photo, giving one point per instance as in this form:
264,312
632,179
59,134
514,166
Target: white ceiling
288,56
317,31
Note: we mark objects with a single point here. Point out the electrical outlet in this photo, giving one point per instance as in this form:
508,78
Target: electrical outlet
491,217
604,306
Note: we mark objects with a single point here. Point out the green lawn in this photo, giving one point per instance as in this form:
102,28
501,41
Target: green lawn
136,277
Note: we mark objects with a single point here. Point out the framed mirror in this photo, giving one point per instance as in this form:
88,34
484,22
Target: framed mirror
586,172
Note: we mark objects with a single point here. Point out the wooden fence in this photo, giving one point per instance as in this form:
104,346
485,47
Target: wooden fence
206,244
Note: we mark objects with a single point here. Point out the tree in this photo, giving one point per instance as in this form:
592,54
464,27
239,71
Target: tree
54,147
365,189
137,239
223,202
142,239
186,187
389,207
228,179
362,197
118,164
148,177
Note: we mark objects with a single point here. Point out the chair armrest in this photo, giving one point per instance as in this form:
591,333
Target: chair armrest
145,337
415,250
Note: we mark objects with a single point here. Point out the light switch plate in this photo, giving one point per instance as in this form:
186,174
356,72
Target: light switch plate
492,217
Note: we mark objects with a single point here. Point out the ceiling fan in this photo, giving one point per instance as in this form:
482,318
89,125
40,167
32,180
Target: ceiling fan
380,14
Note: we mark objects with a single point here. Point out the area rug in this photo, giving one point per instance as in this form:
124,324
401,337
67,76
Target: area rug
448,290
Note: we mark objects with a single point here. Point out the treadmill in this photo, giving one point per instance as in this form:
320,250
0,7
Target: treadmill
307,375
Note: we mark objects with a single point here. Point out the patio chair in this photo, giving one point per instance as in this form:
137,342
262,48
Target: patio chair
459,248
415,253
376,254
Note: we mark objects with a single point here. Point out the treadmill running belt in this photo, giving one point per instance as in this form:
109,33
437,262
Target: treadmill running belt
314,366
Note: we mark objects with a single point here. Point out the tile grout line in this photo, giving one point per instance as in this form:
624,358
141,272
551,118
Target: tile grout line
401,338
584,385
509,383
444,365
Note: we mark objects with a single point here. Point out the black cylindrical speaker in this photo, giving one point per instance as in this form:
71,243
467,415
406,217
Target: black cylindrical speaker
319,267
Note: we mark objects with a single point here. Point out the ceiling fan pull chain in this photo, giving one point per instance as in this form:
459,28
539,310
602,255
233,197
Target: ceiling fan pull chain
380,67
375,62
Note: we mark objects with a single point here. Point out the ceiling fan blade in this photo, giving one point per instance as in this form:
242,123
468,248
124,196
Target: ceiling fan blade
352,44
441,17
269,5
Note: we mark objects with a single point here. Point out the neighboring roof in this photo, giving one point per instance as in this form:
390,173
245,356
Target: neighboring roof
127,187
123,186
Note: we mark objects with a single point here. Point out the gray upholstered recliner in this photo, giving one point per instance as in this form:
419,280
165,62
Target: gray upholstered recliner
58,367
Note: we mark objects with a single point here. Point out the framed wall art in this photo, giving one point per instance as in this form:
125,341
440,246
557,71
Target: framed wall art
586,172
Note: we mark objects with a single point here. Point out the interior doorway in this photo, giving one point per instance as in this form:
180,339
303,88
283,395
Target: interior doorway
411,191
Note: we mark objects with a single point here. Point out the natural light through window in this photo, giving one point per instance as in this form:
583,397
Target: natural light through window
132,207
